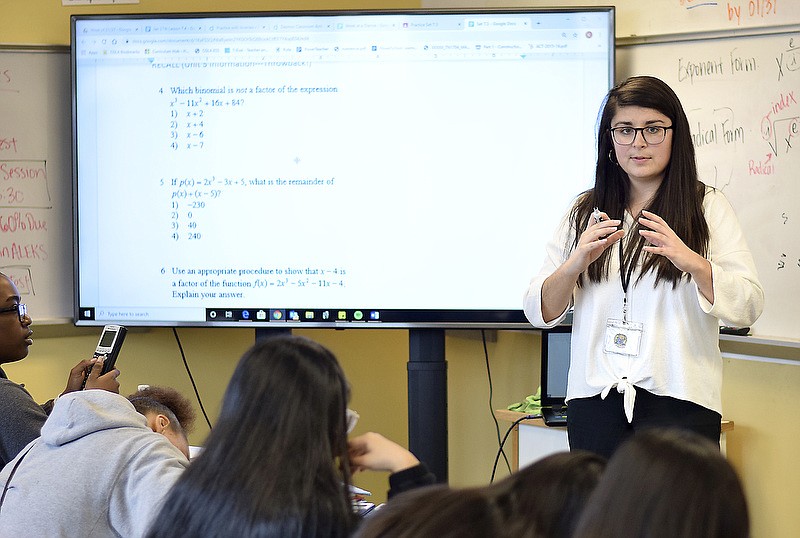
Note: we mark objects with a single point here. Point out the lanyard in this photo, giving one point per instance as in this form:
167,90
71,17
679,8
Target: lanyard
625,279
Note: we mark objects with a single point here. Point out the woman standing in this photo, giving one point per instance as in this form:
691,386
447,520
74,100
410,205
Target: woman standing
651,259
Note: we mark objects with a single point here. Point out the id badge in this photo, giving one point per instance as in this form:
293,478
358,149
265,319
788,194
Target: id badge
623,337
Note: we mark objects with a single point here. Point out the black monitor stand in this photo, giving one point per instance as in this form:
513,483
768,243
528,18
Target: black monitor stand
267,332
427,399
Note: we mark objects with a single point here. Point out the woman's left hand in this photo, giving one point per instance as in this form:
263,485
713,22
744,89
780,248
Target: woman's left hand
665,242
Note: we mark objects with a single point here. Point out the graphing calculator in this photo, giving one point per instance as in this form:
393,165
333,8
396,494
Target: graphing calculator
108,347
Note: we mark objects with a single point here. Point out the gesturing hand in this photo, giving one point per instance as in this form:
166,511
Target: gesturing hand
597,237
665,242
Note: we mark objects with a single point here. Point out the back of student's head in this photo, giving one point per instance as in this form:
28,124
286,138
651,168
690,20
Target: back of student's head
168,412
435,512
664,483
167,401
286,394
545,498
270,466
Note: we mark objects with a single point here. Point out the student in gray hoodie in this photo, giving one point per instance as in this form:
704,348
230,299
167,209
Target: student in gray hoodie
100,468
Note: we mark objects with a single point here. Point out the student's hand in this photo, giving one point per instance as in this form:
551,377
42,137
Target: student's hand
106,381
76,375
372,451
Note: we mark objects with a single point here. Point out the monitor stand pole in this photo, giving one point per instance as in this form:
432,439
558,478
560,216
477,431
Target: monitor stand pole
427,399
268,332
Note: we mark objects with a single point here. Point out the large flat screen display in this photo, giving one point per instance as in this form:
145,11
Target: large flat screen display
328,169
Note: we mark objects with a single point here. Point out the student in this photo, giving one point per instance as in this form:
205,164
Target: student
667,483
436,512
542,500
651,259
21,418
167,412
98,468
277,461
545,498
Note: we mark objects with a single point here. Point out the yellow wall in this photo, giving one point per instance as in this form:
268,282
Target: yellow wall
46,22
762,398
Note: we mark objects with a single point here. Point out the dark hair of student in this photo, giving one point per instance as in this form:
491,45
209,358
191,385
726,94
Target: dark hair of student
275,464
679,200
667,483
545,498
165,401
435,512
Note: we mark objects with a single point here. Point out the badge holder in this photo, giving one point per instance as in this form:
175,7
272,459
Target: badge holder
623,337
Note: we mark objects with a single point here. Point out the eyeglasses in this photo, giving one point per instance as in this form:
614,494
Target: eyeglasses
652,134
20,308
352,418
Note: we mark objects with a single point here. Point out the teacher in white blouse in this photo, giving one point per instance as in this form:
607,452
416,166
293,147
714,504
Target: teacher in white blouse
651,260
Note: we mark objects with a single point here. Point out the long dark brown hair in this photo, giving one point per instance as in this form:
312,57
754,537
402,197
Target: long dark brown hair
664,483
679,199
275,464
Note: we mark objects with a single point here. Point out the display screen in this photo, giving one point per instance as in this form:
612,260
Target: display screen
357,169
107,338
556,352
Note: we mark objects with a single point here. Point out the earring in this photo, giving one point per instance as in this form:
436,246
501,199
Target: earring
611,157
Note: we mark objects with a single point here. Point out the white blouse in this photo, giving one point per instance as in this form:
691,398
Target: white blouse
679,354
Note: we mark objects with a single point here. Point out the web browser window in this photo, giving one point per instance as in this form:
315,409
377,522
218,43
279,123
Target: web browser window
380,168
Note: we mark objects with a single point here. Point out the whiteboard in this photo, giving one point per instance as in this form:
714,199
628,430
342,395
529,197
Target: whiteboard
35,181
742,98
638,18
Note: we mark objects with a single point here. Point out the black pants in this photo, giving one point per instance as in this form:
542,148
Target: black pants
600,425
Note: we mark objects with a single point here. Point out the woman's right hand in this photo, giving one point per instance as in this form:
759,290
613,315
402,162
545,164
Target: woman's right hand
594,240
557,288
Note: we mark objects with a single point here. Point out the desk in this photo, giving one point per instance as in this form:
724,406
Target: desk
532,439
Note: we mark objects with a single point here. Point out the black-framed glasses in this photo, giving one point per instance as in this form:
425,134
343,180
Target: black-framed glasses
652,134
20,308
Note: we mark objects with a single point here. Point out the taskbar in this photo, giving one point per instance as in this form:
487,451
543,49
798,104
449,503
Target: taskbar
310,316
363,315
278,315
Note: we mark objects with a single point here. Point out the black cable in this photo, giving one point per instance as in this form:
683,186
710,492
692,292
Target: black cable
491,407
191,378
503,442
